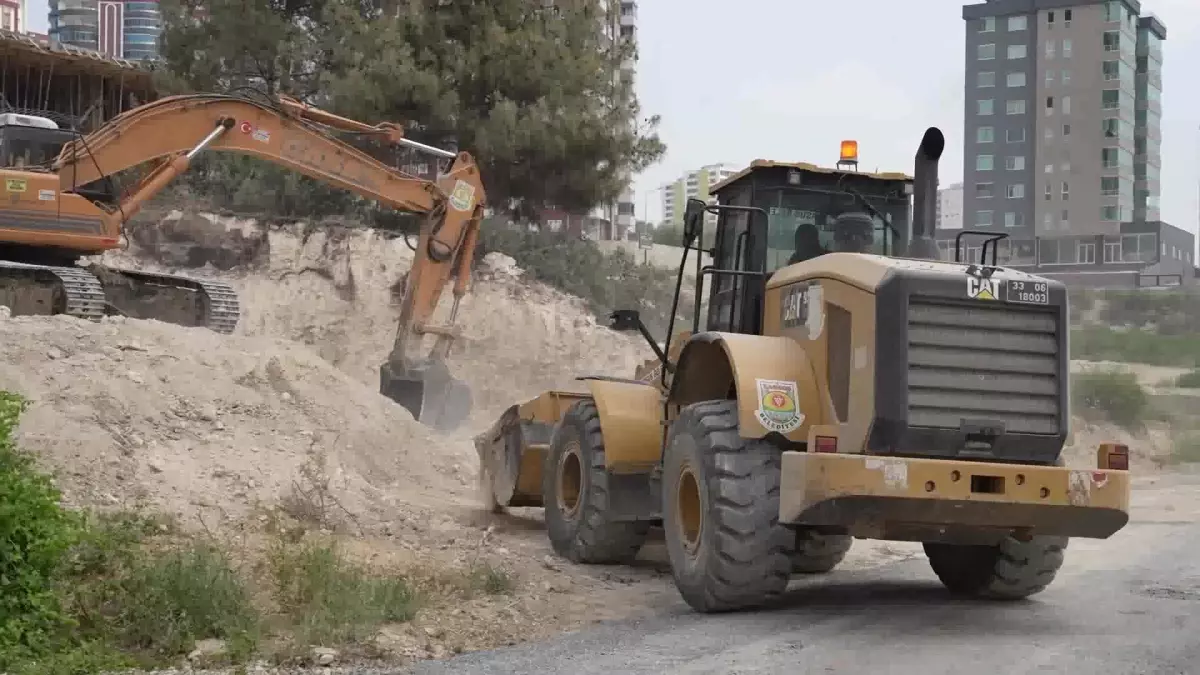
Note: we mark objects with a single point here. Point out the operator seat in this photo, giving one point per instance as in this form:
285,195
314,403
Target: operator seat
853,232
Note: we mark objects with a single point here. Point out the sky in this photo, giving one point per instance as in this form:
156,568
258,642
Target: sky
789,79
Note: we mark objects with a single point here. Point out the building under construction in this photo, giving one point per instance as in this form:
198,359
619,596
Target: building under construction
77,88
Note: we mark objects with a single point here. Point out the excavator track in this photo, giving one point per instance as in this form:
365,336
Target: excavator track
64,290
91,293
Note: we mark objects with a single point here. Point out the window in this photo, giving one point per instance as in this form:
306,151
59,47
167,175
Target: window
987,52
983,218
1110,186
1050,45
985,135
1067,17
1014,219
1015,135
987,79
1016,191
1016,163
987,24
1048,134
1066,106
1111,127
1108,213
1049,168
985,106
1112,40
1066,127
1066,191
1087,253
1049,77
1110,99
1066,48
1066,218
1112,11
1048,220
984,162
1111,70
1066,77
1018,22
1049,105
1016,107
1016,79
1017,51
984,191
1050,17
1049,192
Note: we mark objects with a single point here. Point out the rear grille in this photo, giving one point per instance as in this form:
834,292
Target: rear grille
983,362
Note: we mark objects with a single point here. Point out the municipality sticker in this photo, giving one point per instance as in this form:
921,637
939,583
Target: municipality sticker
463,197
778,406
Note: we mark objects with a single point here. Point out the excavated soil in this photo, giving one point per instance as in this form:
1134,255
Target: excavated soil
216,429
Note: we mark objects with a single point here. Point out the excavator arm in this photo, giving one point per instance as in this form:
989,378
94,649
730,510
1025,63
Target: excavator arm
170,132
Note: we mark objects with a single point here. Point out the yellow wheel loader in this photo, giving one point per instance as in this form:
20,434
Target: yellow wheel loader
843,382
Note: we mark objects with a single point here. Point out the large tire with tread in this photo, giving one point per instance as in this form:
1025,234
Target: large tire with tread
818,553
1011,570
576,498
721,512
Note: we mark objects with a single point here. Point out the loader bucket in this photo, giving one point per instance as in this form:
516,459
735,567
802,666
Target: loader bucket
429,392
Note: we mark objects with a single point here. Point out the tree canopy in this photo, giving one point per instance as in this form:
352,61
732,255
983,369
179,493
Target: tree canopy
533,92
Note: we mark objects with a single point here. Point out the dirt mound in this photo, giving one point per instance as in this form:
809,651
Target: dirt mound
201,424
332,289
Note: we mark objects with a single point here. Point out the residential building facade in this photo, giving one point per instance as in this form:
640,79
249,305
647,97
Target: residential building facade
693,184
950,207
122,29
12,15
1062,140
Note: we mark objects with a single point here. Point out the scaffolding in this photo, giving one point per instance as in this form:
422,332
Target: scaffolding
77,88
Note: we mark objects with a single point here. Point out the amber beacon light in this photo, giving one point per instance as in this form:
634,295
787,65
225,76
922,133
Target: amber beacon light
849,154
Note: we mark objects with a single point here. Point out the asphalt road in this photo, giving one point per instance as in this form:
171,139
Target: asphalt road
1129,605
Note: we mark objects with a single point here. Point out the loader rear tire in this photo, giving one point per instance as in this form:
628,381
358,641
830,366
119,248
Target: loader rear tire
818,553
576,497
721,512
1011,570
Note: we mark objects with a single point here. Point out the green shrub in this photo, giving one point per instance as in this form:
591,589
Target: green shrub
35,532
1113,395
1186,449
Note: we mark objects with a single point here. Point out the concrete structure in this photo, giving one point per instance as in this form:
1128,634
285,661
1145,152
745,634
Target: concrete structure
12,15
123,29
950,207
620,26
693,184
1062,141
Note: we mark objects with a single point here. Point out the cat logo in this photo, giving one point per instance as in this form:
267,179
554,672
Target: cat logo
979,288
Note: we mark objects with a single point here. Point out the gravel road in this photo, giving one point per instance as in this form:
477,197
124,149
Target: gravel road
1129,605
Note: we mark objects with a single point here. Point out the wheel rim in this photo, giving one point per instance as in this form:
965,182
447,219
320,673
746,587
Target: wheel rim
570,480
689,509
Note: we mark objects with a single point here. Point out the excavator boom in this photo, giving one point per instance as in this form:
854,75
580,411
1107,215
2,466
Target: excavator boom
170,132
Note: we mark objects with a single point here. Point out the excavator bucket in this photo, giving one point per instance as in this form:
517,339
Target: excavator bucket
428,390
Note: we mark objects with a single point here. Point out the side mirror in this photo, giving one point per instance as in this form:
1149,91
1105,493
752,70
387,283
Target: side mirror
693,220
625,320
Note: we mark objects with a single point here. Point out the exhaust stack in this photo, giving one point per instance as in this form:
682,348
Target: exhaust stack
925,186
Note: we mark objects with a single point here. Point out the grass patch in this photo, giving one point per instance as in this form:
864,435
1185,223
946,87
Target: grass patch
330,600
1112,395
489,580
1186,449
1100,343
1189,380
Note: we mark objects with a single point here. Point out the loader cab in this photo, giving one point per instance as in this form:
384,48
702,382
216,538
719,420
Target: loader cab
795,212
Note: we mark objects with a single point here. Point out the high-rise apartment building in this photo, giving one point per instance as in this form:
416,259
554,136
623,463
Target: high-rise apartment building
624,28
950,207
693,184
1062,140
123,29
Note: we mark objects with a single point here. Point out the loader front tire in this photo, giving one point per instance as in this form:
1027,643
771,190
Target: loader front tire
721,512
576,497
1010,570
818,553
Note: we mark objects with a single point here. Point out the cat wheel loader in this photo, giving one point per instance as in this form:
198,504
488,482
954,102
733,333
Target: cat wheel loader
845,383
62,205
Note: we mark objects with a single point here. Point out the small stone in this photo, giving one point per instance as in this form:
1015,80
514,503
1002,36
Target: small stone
154,467
54,353
135,377
324,656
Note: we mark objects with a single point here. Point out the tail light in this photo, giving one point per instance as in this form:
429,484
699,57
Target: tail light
826,444
1113,456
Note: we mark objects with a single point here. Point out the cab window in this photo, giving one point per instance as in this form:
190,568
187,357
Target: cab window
801,226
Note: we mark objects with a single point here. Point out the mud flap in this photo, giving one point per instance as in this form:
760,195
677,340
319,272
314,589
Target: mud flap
429,392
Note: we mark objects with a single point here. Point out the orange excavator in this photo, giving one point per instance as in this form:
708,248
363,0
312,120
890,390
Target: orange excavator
61,206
